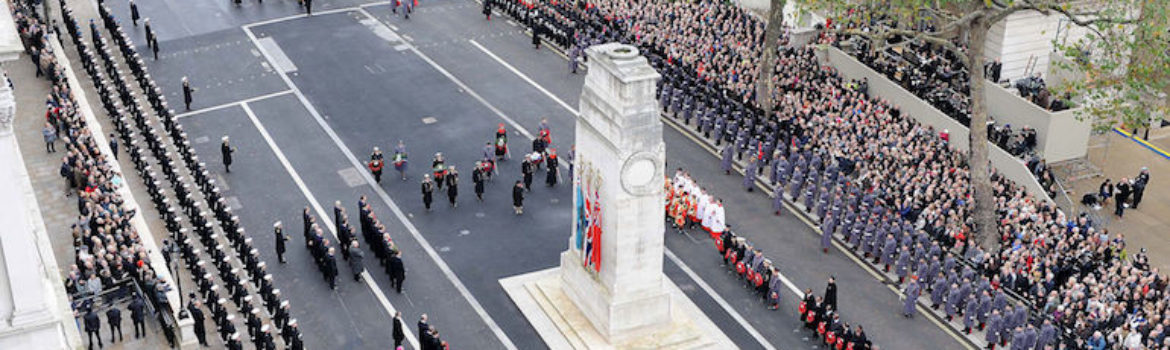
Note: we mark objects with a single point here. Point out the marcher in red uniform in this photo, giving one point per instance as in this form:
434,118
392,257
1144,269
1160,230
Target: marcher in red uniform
502,143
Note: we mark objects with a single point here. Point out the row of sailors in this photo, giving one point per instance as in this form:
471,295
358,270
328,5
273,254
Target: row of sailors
253,265
688,204
236,289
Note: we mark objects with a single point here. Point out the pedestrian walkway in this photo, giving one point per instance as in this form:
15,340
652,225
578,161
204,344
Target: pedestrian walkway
1145,227
58,211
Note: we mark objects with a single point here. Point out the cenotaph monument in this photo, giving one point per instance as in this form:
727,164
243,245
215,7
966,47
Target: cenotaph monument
609,291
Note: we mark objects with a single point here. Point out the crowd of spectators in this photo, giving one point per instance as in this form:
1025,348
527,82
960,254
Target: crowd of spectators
933,73
903,180
107,247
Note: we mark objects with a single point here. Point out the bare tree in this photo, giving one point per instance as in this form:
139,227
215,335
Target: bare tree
765,86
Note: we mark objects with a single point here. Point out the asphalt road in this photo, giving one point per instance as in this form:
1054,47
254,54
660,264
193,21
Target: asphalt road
432,82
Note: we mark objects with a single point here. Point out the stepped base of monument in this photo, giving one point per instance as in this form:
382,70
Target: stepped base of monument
561,325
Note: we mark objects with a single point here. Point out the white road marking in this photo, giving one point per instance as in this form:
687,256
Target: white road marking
325,217
279,60
525,77
491,324
719,300
229,104
792,287
464,87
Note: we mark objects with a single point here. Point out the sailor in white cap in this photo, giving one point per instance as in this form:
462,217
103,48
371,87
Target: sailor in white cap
282,314
287,333
253,323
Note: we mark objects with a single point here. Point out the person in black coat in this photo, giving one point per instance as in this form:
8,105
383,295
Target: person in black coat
551,175
187,91
452,180
535,31
114,319
281,238
399,334
92,325
831,293
423,327
197,316
518,198
226,150
138,316
487,9
134,13
1123,192
331,269
527,169
428,191
397,272
477,178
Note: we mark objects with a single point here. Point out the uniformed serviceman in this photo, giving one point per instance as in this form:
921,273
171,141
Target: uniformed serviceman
477,176
428,190
452,179
281,238
397,271
187,89
330,269
226,150
518,198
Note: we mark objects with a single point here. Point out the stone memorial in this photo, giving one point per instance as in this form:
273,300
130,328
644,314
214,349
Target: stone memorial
610,291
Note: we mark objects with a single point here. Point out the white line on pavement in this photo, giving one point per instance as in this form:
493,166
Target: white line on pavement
491,324
229,104
325,217
722,303
463,86
525,77
670,254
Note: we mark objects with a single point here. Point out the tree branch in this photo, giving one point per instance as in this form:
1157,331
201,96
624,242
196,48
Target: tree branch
914,36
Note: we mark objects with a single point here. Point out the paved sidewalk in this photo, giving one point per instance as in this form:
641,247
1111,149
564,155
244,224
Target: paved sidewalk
58,211
1149,225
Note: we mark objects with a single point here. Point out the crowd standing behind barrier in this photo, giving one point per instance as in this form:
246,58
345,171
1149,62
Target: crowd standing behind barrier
901,192
107,246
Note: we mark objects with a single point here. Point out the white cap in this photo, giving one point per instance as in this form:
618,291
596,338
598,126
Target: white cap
225,138
264,328
277,224
292,322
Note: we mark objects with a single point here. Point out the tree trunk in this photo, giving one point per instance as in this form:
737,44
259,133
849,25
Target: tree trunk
764,85
986,229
